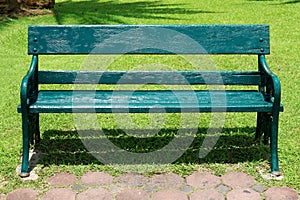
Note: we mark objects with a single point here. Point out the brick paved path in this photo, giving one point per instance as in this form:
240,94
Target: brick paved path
197,186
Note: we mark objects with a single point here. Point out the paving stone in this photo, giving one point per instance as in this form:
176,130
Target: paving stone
243,194
223,188
207,194
203,180
132,180
95,194
238,179
151,188
167,181
59,194
186,189
77,187
259,188
133,194
21,194
96,179
170,194
114,188
62,179
281,193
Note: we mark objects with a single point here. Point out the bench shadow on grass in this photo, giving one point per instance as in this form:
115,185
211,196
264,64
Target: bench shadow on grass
115,12
235,145
281,3
290,2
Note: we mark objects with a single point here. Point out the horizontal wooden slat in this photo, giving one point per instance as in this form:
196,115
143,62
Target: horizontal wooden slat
150,101
153,39
150,77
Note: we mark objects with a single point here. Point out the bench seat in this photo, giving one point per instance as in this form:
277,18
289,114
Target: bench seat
144,101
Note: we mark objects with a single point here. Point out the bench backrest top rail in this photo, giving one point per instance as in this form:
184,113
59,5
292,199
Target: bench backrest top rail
148,39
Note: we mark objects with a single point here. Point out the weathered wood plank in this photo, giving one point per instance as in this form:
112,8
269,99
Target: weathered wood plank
151,77
150,101
149,39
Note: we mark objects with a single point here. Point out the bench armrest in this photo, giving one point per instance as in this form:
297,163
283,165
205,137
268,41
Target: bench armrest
29,85
273,88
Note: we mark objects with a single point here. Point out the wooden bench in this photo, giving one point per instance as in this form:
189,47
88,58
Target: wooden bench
151,39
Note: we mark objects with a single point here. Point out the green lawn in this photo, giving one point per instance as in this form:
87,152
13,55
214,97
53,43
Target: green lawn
235,149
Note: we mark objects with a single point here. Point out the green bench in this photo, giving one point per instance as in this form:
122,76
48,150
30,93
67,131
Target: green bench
151,39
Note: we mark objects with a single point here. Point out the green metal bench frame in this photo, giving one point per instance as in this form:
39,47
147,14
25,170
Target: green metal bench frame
215,39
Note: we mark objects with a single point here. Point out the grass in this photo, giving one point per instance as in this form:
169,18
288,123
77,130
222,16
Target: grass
235,149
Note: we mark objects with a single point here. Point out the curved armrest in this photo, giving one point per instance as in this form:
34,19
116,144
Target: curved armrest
276,94
27,83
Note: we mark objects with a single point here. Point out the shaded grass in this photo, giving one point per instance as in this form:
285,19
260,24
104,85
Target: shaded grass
234,151
235,145
118,12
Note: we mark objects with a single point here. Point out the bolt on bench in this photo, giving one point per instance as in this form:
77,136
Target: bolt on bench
150,39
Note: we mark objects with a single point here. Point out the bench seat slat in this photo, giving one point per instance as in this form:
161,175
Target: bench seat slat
151,77
140,101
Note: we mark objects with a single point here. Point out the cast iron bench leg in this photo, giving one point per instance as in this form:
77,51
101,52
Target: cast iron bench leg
34,130
259,126
267,118
274,144
263,127
25,157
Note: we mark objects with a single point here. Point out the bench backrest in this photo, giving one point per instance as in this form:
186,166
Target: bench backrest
149,39
153,39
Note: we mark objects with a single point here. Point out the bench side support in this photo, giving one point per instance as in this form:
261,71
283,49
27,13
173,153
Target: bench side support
273,94
263,127
30,125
